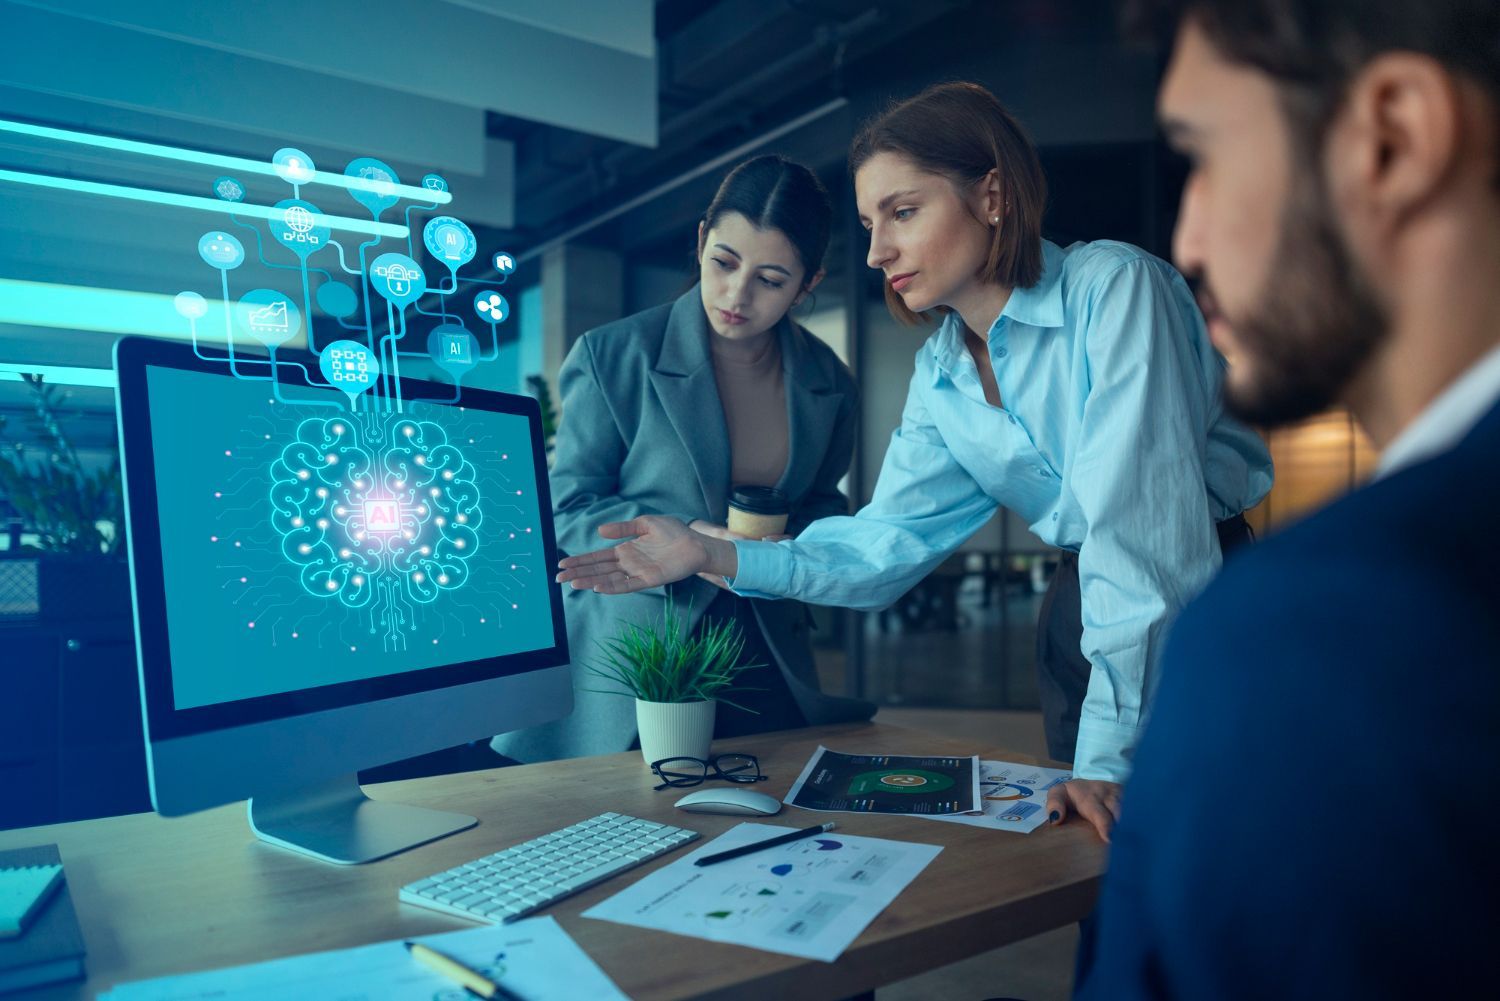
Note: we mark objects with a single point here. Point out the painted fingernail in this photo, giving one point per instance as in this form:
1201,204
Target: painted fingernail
1053,817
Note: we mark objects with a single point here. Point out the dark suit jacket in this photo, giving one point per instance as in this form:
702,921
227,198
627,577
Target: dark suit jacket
643,432
1313,812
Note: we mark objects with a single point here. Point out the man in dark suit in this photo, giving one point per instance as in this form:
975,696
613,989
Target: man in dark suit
1311,812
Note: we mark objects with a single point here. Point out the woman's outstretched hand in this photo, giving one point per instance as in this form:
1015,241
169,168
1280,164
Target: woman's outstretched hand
661,550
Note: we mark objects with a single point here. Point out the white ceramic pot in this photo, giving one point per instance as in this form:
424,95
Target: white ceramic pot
674,729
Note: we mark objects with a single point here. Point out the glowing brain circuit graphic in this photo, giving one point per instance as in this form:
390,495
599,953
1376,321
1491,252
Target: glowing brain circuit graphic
379,514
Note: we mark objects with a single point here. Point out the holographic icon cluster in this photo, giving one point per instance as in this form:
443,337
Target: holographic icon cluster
374,506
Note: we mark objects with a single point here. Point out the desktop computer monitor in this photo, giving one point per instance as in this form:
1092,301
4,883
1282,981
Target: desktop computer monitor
326,581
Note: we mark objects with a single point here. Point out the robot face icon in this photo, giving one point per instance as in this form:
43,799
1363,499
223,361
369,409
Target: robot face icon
220,250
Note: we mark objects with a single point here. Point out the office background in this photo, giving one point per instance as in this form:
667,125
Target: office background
584,136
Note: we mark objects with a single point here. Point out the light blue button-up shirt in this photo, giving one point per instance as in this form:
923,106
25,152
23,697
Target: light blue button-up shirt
1110,441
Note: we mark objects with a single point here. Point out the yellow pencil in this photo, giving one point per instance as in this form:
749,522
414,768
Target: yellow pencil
471,981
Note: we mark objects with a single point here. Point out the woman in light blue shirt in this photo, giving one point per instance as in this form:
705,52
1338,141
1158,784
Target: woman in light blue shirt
1075,386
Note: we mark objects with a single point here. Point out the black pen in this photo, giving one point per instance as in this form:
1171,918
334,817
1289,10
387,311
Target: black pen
783,839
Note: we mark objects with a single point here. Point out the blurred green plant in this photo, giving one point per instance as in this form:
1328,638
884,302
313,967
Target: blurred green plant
543,394
664,662
65,505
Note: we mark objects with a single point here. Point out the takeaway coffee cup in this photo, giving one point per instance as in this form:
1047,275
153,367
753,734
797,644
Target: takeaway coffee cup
757,511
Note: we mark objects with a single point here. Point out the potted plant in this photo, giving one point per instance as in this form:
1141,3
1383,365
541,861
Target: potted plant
676,677
76,514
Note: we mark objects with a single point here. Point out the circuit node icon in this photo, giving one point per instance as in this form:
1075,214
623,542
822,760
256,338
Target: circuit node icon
450,241
268,316
375,184
190,305
300,226
453,349
491,307
229,189
350,367
397,279
337,299
293,166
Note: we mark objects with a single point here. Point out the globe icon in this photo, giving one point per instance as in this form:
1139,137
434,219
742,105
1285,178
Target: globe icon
299,219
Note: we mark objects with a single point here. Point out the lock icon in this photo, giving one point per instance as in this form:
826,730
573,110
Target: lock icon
398,278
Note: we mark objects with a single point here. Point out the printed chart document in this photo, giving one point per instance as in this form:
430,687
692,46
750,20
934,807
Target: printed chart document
887,783
808,898
535,959
1014,796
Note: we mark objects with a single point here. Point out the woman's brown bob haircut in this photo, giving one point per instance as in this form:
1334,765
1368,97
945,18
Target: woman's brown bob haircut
959,130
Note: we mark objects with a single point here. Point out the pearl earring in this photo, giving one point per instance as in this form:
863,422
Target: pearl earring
994,220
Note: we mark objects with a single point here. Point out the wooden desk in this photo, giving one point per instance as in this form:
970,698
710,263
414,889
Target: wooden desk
157,896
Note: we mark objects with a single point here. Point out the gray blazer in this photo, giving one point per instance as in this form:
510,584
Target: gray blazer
643,432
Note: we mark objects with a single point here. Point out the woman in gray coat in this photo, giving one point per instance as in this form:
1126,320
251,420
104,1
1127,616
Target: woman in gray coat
665,410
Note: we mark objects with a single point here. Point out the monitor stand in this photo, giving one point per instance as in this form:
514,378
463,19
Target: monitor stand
334,821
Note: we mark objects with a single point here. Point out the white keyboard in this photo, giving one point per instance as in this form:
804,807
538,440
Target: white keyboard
518,881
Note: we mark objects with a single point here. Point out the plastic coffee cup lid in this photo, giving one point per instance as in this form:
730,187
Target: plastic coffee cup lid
759,500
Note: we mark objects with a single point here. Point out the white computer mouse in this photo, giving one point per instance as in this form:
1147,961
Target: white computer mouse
728,799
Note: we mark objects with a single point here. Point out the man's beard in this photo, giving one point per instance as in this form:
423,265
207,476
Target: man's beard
1319,322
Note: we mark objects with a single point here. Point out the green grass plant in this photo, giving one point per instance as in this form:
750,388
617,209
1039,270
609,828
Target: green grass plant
664,661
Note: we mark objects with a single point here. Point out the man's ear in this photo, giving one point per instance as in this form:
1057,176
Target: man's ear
807,289
1397,139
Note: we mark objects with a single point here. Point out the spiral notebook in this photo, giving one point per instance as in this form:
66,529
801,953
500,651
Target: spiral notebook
34,899
23,891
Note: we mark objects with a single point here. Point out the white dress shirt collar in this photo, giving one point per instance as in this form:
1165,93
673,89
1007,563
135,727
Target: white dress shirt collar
1448,418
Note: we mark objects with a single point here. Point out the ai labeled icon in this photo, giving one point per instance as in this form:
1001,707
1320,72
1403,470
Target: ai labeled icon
453,349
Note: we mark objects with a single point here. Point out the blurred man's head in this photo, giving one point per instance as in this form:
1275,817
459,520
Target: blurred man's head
1340,150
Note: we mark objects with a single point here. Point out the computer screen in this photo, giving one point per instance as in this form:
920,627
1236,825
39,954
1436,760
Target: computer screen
327,581
327,547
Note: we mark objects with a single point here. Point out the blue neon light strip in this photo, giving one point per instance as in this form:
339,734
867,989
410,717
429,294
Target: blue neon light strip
82,307
195,202
60,375
238,163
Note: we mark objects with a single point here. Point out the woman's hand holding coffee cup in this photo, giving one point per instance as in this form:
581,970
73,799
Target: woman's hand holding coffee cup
758,512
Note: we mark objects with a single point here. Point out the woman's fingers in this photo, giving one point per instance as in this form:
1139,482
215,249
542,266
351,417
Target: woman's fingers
589,559
621,529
